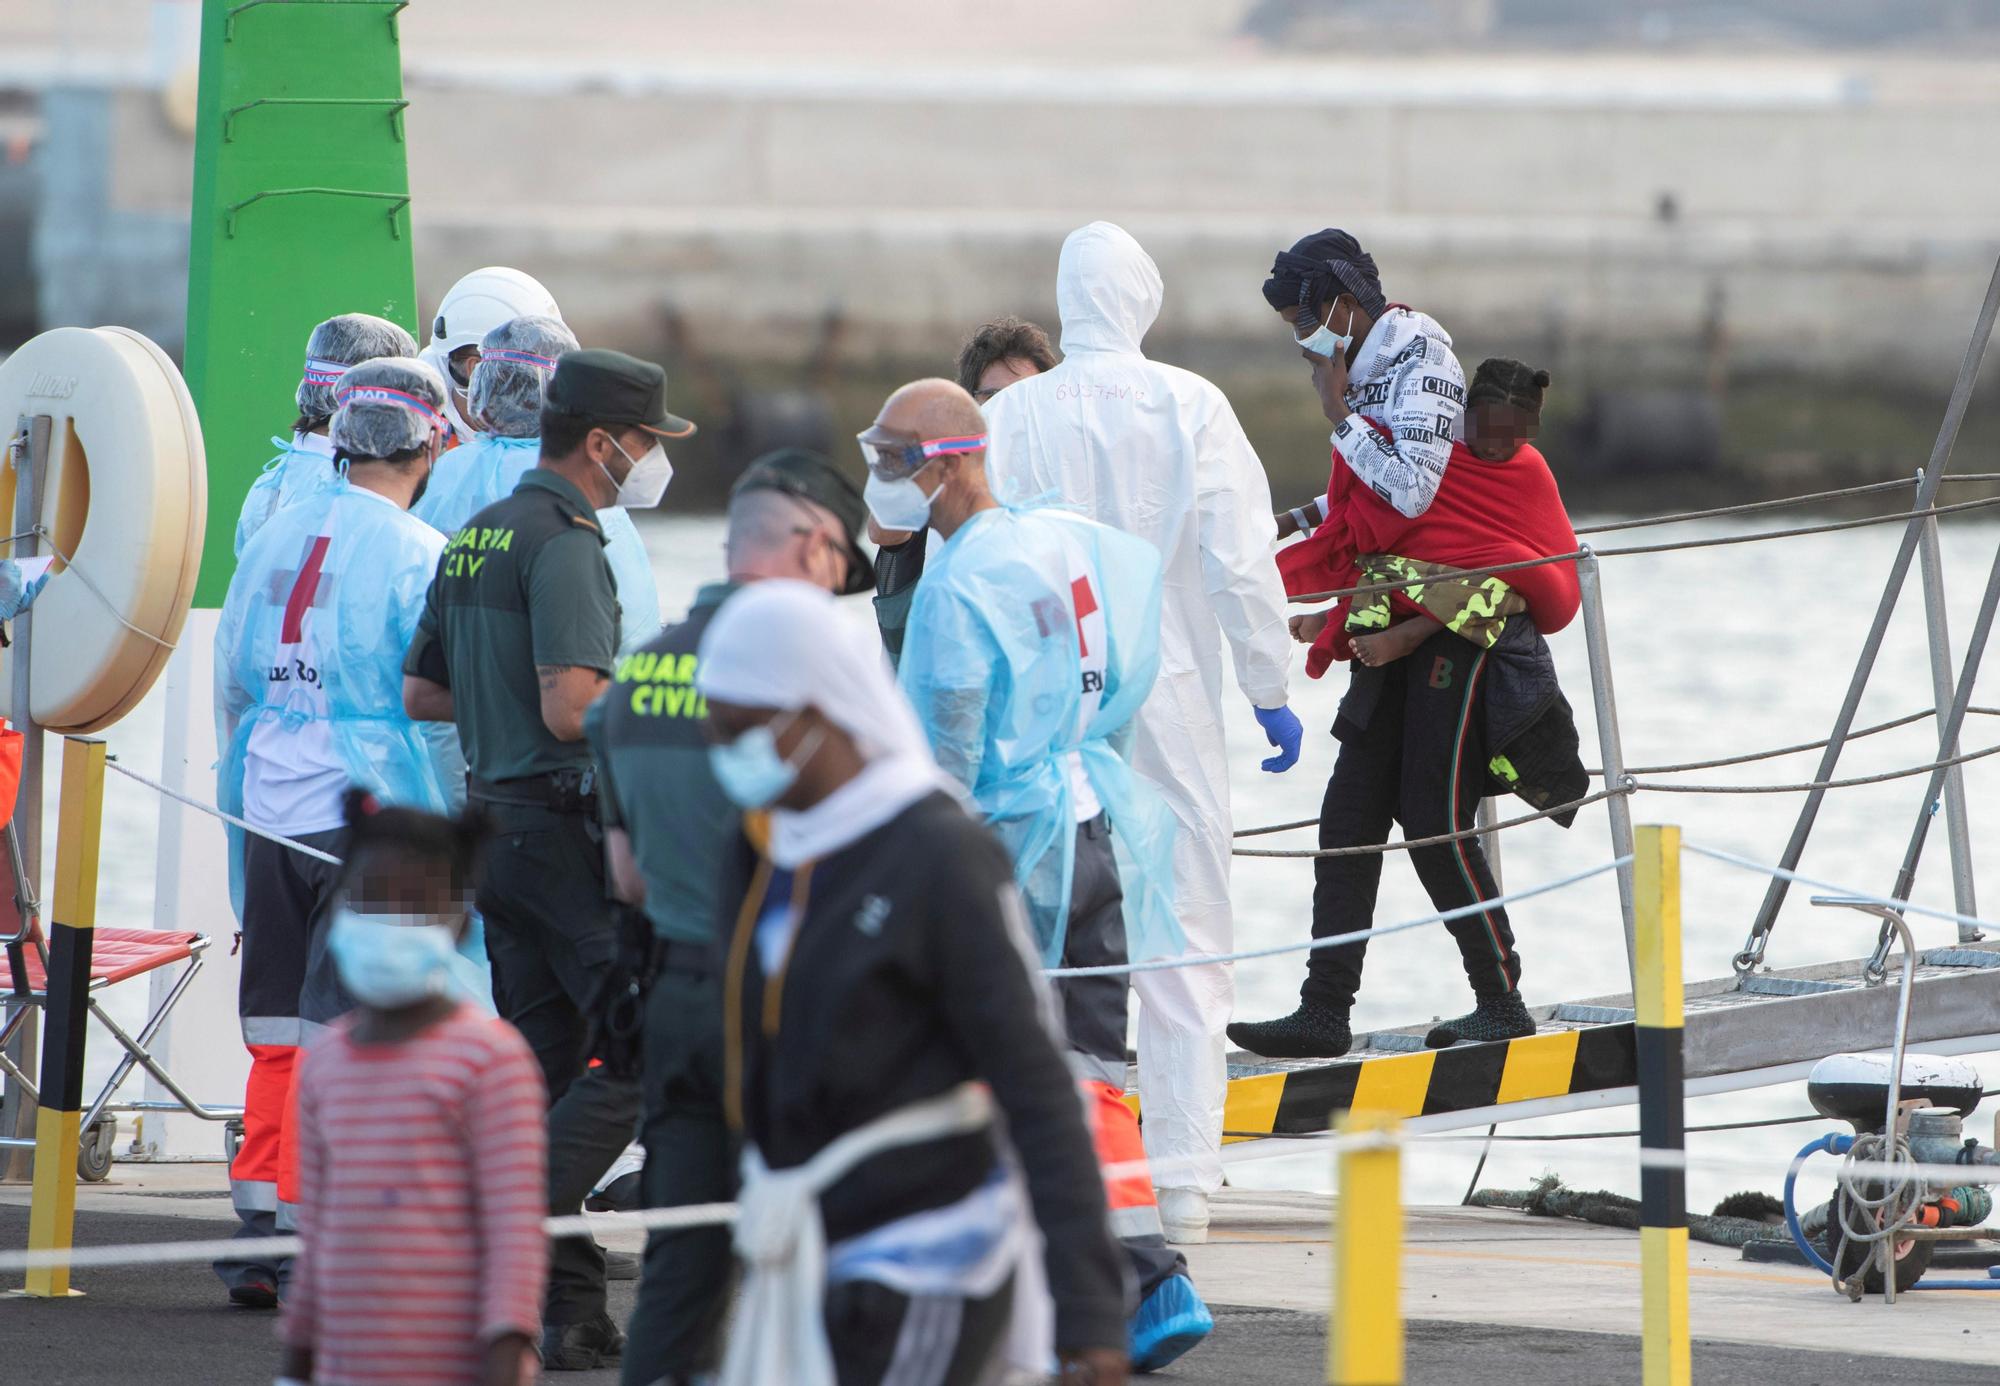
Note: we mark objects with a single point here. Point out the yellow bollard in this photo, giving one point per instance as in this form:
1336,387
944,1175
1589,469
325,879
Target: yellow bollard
1364,1345
72,918
1663,1256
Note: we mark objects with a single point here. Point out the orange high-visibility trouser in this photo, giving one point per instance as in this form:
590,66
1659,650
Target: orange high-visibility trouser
1114,1132
265,1172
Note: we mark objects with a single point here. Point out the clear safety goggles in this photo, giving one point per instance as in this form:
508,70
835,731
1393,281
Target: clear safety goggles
893,456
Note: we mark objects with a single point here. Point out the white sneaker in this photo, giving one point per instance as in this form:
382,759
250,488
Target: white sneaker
1184,1216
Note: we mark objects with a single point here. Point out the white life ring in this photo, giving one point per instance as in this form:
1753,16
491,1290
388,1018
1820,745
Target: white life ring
126,498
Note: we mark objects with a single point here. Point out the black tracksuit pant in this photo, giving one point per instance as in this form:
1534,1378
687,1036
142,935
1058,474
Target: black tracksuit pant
690,1158
1413,751
551,938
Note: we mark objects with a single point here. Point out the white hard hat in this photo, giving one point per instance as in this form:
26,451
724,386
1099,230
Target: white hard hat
483,300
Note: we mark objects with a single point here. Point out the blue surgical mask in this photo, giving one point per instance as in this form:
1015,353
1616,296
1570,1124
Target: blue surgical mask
470,979
388,963
1324,341
900,505
752,773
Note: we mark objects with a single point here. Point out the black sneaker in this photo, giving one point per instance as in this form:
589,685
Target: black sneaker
621,1265
580,1347
1494,1018
254,1294
1310,1032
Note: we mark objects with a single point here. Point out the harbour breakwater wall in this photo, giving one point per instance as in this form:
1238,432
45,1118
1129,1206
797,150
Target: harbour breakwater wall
1677,245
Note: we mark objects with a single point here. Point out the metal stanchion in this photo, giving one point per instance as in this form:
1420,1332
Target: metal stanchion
1958,826
1609,745
30,450
1663,1237
72,920
1752,954
1364,1344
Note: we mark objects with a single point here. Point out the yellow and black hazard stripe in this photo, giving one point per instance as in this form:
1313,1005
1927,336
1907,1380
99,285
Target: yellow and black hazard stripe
1430,1081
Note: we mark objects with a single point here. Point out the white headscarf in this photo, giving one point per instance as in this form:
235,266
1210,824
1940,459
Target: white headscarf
784,644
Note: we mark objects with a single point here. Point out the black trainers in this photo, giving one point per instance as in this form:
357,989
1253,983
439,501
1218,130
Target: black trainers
580,1347
1494,1018
621,1265
1310,1032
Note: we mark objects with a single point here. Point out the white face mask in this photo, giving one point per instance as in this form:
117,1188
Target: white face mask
646,482
388,964
900,505
1324,341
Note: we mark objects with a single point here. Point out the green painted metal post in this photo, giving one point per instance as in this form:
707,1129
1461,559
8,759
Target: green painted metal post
301,211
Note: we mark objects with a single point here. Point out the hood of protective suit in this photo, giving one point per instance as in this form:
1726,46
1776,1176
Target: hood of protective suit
1108,290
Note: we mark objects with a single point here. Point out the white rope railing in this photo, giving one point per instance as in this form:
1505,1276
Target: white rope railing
212,811
1846,892
1340,940
575,1225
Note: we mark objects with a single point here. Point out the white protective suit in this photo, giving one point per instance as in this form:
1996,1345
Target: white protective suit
1156,451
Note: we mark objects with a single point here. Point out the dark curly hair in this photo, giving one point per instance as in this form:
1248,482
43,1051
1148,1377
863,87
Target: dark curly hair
1003,339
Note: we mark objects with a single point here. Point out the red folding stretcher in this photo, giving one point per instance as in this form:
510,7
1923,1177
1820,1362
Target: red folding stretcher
116,955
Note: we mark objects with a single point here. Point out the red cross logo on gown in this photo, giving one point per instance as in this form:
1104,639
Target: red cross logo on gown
1085,602
304,588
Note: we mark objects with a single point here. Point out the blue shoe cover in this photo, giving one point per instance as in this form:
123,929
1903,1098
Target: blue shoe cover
1170,1322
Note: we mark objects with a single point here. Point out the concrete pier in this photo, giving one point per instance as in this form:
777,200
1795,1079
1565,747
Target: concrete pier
1490,1296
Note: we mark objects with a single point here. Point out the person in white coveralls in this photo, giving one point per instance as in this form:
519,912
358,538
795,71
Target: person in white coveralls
1156,451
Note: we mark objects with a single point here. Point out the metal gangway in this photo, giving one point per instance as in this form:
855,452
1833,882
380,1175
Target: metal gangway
1764,1024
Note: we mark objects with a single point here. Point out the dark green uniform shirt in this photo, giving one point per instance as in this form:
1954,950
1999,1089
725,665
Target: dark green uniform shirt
525,583
653,775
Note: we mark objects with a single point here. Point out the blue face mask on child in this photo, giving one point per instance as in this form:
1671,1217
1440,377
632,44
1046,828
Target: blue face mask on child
751,772
388,963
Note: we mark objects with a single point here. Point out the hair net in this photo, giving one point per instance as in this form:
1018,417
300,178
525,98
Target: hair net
339,343
515,362
786,644
386,406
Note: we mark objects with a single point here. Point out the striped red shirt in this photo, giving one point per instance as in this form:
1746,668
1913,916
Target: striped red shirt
423,1184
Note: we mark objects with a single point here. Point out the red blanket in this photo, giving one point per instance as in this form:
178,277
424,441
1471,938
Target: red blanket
1485,513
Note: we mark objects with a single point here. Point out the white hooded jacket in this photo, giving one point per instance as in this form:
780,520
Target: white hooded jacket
1153,450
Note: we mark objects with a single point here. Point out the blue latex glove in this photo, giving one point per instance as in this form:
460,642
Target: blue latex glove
1281,729
16,595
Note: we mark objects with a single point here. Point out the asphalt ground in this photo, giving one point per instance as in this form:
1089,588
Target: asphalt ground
171,1325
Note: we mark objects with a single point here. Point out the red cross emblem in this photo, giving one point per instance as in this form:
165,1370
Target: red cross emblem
1085,602
304,588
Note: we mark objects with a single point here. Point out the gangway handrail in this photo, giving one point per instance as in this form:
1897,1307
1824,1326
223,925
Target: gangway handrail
1631,785
1713,541
1751,955
1342,940
1790,877
1776,503
1375,848
1849,782
1750,757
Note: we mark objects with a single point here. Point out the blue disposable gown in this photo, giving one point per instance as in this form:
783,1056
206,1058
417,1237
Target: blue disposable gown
1035,634
486,467
364,610
303,466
